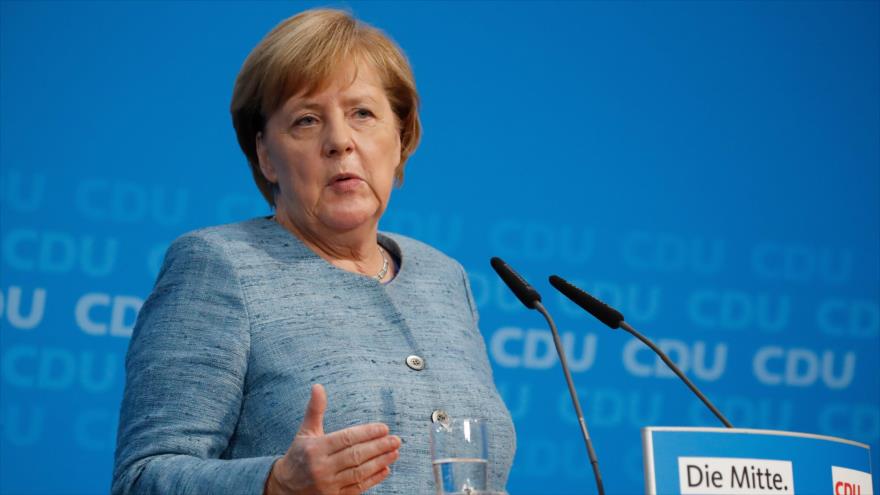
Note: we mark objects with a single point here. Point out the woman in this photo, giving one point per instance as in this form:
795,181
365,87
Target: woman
307,352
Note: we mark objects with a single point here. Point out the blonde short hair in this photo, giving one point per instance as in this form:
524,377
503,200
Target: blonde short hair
301,55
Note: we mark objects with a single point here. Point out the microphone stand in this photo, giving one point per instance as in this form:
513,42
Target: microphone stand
614,319
626,326
571,390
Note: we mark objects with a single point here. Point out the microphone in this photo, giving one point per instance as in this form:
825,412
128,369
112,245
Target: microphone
532,300
518,285
614,319
603,312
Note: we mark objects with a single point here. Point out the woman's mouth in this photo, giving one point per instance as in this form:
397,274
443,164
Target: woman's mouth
343,183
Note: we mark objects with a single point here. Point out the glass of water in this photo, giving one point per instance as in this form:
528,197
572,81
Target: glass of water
460,455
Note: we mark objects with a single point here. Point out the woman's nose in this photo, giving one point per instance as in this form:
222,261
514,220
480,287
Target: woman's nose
338,138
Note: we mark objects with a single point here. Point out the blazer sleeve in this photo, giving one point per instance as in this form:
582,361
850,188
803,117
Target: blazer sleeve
472,305
470,296
185,372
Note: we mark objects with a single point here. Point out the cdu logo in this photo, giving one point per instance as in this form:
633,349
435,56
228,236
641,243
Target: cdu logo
851,482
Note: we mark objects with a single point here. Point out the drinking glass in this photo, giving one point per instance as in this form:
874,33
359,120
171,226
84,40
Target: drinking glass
459,454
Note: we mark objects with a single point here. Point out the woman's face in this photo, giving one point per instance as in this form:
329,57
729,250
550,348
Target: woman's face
333,154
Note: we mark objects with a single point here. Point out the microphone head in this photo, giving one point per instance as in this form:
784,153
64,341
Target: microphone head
603,312
518,285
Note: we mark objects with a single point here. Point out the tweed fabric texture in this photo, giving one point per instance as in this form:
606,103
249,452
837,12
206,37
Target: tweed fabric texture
244,318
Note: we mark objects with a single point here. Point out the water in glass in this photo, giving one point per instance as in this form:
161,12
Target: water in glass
459,455
460,474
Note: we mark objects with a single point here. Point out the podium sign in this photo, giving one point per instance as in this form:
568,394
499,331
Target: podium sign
746,461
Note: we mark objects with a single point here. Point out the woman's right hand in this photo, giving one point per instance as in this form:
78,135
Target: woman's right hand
345,462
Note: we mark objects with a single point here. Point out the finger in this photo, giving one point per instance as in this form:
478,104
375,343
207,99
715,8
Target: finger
349,437
363,452
313,422
363,472
358,488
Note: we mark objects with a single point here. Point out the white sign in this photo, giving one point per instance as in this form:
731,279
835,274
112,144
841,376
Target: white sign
851,482
734,476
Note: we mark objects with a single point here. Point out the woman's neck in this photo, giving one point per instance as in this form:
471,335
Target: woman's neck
355,251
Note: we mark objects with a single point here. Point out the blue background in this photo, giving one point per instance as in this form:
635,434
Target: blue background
710,168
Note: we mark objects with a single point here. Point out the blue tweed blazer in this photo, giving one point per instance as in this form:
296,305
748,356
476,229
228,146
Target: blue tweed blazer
244,318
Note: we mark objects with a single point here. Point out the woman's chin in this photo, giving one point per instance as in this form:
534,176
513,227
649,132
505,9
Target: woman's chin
348,219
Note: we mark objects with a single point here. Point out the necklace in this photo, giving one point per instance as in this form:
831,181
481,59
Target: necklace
384,270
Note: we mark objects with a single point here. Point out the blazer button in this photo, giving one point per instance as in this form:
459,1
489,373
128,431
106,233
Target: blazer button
415,362
440,416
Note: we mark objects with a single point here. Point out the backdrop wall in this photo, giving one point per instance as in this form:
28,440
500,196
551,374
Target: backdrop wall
710,168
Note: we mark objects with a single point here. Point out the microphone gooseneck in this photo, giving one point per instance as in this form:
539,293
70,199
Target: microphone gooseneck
614,319
532,300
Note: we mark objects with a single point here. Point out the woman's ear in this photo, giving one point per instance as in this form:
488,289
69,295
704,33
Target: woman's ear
265,164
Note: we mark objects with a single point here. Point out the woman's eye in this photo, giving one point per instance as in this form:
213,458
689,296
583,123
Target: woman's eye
363,113
305,121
